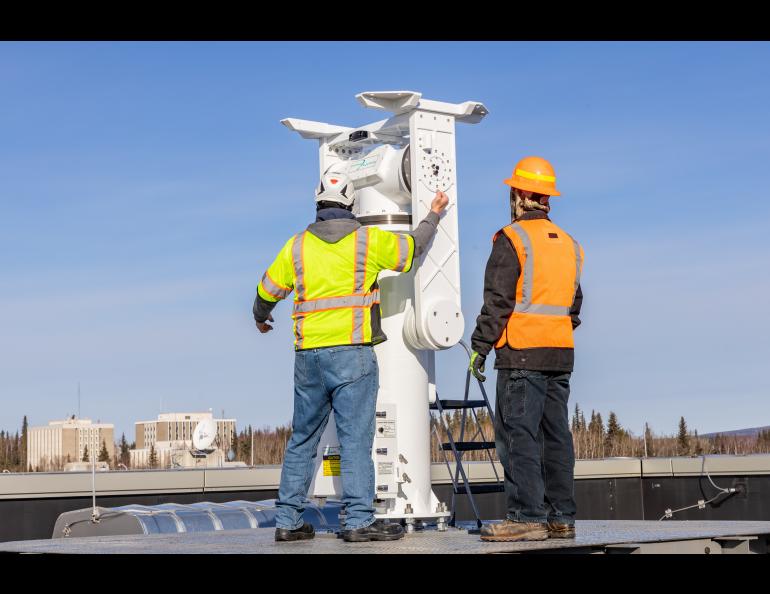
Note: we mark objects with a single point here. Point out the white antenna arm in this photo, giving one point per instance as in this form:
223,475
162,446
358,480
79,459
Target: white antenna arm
398,102
323,133
393,101
313,130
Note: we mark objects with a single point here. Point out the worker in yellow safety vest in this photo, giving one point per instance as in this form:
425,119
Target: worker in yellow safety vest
532,299
332,268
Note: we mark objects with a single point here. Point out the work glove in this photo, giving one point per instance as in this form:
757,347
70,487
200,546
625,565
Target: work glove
264,327
476,366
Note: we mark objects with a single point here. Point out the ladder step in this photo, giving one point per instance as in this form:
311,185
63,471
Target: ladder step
496,488
467,446
458,404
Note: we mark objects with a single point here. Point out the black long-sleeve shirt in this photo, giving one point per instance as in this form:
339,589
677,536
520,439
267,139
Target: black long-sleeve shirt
500,278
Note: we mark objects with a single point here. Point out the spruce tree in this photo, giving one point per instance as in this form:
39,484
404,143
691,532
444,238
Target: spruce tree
698,447
15,452
650,442
599,425
600,433
24,431
153,461
85,454
683,439
104,455
125,454
576,420
592,424
614,433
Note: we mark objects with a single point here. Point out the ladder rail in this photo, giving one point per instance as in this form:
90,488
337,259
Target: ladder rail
455,486
462,422
458,470
489,408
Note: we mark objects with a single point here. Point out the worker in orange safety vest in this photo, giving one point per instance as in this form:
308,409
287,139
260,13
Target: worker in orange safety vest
532,299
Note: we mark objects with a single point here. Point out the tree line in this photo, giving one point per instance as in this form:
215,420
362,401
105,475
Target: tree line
592,439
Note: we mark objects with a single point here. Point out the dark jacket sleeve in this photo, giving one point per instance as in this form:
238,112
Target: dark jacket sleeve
574,311
262,308
424,233
500,280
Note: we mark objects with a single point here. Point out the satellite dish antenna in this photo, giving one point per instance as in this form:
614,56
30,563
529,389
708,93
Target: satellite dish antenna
204,435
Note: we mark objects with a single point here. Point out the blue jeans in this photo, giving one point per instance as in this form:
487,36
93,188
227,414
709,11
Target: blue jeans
343,379
534,444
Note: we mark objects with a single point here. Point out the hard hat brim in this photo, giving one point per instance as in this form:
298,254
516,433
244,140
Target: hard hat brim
345,200
531,186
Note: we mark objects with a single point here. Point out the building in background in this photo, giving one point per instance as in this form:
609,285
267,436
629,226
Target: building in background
171,436
50,447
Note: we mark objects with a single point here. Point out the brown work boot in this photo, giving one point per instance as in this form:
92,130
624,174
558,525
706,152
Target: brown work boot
560,530
512,531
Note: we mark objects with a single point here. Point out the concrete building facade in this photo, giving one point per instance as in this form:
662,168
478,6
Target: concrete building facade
51,447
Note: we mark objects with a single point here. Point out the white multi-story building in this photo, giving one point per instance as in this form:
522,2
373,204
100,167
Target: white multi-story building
51,447
171,433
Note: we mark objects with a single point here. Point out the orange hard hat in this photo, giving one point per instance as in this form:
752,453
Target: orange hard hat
534,174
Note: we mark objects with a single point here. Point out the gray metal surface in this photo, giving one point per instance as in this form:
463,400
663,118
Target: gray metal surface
591,536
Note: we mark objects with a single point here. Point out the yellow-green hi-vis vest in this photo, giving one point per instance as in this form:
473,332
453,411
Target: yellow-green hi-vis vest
332,283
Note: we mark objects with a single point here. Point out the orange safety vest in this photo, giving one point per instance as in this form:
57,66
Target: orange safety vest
551,263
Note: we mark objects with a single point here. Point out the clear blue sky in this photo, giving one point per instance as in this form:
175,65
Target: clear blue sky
144,188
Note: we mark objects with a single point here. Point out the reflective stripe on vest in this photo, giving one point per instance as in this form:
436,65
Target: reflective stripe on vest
362,255
298,257
403,253
299,322
273,288
326,303
526,305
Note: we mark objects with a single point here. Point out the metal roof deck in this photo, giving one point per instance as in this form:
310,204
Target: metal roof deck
592,537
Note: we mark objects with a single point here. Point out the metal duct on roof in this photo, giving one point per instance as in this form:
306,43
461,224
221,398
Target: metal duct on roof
170,518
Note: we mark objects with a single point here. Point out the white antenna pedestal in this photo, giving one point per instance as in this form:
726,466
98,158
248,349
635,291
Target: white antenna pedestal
397,165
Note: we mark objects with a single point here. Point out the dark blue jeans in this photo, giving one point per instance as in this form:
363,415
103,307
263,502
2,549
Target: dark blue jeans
343,379
534,444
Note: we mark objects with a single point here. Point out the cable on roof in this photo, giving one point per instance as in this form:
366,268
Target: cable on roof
701,503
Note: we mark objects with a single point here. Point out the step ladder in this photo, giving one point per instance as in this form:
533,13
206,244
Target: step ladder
460,483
